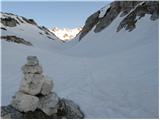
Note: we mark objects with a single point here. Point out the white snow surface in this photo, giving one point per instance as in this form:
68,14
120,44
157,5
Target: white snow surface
108,74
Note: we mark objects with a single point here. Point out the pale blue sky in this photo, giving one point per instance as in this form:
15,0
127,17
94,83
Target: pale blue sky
54,14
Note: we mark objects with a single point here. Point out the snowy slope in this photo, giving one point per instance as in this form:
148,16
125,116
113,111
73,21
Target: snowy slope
122,71
109,74
35,34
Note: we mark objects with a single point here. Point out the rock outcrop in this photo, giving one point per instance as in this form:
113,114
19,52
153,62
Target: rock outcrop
35,97
14,21
15,39
9,22
129,10
147,7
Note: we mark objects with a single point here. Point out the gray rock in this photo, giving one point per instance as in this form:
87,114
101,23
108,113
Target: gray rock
90,23
70,110
130,10
36,69
32,84
39,114
65,110
47,87
49,104
9,112
111,14
24,102
145,7
32,60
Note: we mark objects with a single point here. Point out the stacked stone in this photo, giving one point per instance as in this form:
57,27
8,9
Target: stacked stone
35,90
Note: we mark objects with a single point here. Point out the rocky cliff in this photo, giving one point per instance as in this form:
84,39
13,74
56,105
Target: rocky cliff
130,11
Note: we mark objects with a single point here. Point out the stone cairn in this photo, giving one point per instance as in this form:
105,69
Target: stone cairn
35,98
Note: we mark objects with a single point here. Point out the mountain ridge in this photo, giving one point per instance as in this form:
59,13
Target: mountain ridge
66,34
130,10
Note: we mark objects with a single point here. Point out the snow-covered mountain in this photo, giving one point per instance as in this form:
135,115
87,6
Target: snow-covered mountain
110,69
66,34
20,30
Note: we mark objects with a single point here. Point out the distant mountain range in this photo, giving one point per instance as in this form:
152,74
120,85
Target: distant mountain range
66,34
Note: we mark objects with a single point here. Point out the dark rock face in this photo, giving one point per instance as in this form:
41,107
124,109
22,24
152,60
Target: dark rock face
38,114
90,22
16,39
127,6
30,21
129,22
9,22
130,10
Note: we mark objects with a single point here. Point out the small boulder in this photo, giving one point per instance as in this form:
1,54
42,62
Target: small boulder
69,109
49,104
32,84
24,102
47,87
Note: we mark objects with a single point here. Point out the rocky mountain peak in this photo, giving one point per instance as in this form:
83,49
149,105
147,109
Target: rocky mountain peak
66,34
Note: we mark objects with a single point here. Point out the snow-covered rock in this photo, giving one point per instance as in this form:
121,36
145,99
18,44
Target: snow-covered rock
46,87
49,104
24,102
